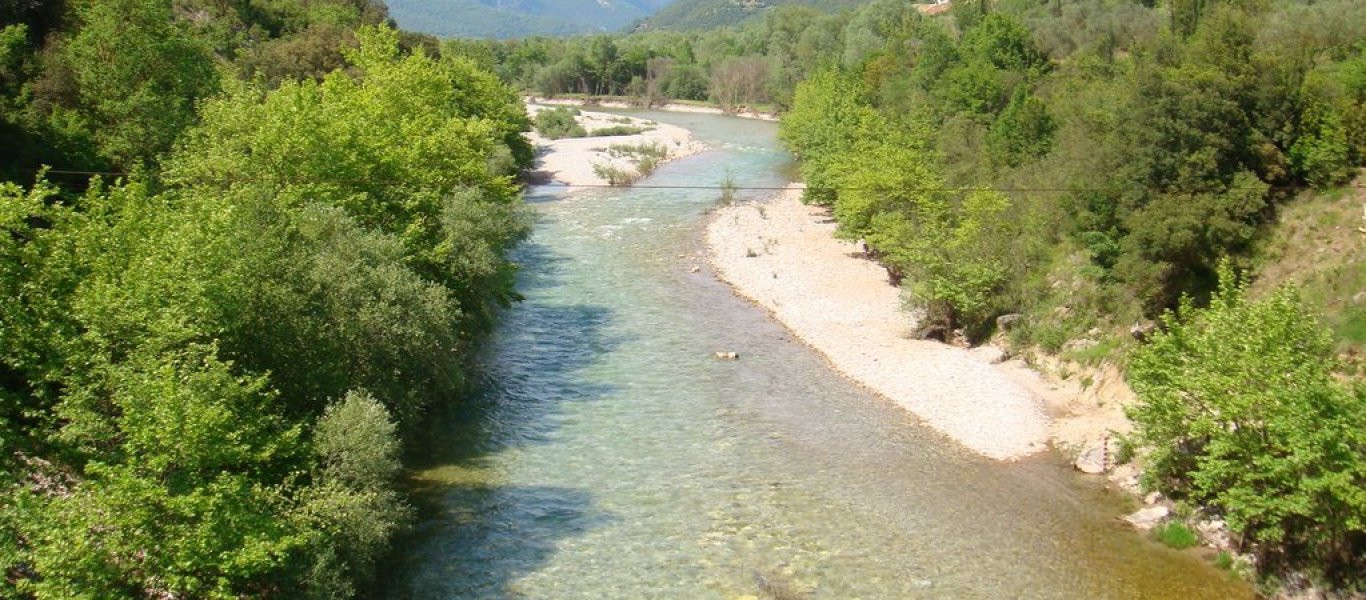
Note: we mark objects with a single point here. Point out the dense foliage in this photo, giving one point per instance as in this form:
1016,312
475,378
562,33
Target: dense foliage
1241,408
1150,153
207,366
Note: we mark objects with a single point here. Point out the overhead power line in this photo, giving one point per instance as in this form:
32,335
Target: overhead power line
544,191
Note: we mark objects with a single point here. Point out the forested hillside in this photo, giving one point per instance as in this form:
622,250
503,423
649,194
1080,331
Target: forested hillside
268,243
519,18
759,63
682,15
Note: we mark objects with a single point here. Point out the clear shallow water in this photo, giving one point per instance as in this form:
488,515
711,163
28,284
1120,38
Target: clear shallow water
610,456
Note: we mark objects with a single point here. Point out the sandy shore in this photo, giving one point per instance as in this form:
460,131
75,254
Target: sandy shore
670,107
781,254
570,161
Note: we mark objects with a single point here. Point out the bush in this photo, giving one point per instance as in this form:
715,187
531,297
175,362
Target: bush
354,502
557,123
1242,412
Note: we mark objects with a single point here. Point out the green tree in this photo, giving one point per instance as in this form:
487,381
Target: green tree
1023,131
1241,410
176,506
354,505
138,76
946,253
829,111
415,148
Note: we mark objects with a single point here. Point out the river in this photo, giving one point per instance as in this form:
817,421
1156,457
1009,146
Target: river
610,455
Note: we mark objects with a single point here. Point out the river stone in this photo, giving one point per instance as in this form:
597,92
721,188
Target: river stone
1148,518
1214,532
1005,322
1143,330
1091,460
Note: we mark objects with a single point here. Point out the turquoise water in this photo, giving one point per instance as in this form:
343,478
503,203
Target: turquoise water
611,456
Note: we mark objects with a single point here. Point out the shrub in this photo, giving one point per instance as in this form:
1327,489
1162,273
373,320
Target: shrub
615,176
558,123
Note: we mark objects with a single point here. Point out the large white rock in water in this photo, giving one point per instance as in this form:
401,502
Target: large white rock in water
1148,518
1091,460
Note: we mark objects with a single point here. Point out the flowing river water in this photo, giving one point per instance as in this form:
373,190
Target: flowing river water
610,455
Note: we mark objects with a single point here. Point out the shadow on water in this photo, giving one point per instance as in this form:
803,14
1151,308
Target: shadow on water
473,536
519,399
486,537
531,366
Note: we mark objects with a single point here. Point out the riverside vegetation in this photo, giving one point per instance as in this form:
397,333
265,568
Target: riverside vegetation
1099,178
208,365
1089,164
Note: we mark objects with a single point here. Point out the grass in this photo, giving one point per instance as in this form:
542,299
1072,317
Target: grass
728,188
646,156
1125,448
618,130
1105,349
1175,534
1317,246
1224,560
653,150
616,176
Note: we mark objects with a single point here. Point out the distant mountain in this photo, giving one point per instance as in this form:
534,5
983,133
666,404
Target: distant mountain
707,14
518,18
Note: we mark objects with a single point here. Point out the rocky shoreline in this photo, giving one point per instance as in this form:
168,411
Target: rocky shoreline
571,161
781,255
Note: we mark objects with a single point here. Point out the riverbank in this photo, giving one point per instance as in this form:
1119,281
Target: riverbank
782,255
617,102
571,161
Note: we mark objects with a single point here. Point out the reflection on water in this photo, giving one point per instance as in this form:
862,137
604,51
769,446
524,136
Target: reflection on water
609,456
